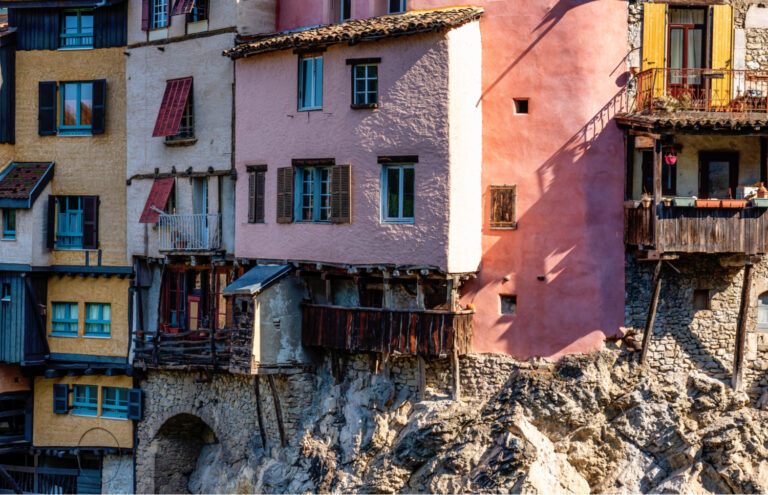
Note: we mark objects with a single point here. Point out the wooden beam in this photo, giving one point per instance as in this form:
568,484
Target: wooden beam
259,415
651,318
422,377
629,169
278,409
634,132
741,329
456,372
657,159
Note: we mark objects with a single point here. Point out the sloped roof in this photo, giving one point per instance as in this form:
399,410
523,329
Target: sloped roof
22,183
354,31
256,279
697,121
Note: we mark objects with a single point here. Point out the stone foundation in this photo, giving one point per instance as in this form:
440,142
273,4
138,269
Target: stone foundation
117,474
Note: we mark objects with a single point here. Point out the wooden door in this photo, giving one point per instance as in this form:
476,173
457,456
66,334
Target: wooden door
718,174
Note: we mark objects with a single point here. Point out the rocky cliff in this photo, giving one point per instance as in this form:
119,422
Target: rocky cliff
591,423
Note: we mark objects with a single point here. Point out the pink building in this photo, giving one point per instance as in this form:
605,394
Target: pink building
448,168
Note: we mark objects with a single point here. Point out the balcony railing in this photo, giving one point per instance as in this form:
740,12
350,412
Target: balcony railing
428,333
31,479
194,349
189,232
702,90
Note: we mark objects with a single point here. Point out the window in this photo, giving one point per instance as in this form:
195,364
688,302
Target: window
346,10
9,224
64,319
114,403
314,198
86,400
521,105
508,304
398,193
98,318
69,222
365,85
503,208
256,190
311,83
199,11
77,29
396,6
668,176
718,174
76,114
762,312
187,125
685,48
6,294
701,299
175,119
158,14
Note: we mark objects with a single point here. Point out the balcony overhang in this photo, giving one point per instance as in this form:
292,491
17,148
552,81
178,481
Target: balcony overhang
727,123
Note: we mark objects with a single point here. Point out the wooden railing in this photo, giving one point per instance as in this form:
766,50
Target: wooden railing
39,479
707,90
698,230
194,349
427,333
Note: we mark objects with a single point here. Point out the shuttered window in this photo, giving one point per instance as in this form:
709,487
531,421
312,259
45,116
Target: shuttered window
81,107
183,7
85,401
114,402
157,200
285,195
73,222
313,201
503,207
171,112
46,118
256,191
341,194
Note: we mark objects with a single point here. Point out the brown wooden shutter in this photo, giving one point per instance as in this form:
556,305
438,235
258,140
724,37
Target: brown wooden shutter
285,195
145,15
251,197
50,228
261,183
46,118
90,222
503,207
341,194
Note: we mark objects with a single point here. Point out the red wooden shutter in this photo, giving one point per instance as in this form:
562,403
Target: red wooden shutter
183,7
145,15
90,222
158,197
341,194
172,107
503,207
285,195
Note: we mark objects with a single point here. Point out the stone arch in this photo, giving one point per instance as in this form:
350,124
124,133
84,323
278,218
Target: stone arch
175,449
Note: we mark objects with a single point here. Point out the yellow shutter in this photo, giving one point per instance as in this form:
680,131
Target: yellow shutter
654,35
722,52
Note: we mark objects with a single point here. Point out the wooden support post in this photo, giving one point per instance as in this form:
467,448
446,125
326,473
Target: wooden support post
278,410
420,293
629,169
456,373
741,328
422,378
260,417
657,159
651,318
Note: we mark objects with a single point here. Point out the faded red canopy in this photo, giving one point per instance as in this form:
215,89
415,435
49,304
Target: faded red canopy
172,107
183,7
158,197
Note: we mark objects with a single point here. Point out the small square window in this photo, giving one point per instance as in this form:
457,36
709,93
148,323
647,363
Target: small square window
64,319
310,83
114,403
98,319
701,299
9,224
508,304
76,29
85,402
398,194
396,6
521,106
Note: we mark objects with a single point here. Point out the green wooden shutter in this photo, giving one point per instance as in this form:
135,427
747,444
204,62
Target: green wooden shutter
46,117
341,194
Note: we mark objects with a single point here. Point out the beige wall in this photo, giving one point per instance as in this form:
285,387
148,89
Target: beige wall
11,379
91,290
66,430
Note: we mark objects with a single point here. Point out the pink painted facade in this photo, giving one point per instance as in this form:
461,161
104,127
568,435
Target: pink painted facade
565,261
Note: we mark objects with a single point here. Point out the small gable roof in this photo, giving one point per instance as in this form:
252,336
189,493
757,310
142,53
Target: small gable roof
22,183
256,280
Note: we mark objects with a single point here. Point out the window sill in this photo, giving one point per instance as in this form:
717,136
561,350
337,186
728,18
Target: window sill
68,133
363,106
197,27
8,239
63,335
85,415
398,222
326,222
74,48
157,34
94,336
109,416
180,142
511,227
318,109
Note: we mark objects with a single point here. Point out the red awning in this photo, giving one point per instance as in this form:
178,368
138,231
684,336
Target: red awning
158,197
172,108
183,7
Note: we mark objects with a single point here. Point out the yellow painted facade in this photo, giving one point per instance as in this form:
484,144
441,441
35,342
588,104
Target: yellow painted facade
82,290
68,430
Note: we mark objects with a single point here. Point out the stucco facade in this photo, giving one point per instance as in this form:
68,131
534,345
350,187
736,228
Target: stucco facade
440,126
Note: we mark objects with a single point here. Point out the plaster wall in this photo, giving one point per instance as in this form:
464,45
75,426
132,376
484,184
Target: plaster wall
68,430
11,379
84,165
402,125
222,14
298,13
256,16
29,245
90,290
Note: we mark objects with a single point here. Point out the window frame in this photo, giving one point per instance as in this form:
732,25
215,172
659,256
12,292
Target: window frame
9,234
345,7
64,36
366,92
77,129
80,213
400,219
316,195
101,322
153,14
313,106
91,403
117,407
186,130
403,7
5,294
69,320
195,15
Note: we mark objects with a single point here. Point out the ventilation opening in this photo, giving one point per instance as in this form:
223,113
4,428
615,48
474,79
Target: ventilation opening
508,304
701,299
521,105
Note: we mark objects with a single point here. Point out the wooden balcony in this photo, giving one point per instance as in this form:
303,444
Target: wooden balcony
198,349
669,229
426,333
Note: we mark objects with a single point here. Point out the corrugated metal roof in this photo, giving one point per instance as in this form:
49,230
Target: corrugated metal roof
256,279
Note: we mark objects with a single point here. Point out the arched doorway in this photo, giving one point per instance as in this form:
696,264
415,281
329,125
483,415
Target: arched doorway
176,449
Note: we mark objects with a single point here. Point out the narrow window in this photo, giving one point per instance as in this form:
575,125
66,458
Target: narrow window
69,222
76,111
114,403
64,319
9,224
199,11
762,312
158,14
98,319
503,208
310,83
314,198
85,402
6,294
76,29
346,10
398,187
508,304
521,105
396,6
701,299
365,85
186,129
256,192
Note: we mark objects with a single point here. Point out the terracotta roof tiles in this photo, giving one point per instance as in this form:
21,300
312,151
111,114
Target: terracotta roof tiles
726,121
20,182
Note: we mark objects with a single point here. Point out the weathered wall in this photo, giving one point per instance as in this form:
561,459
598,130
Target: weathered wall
223,14
117,474
68,430
256,16
29,245
11,379
91,290
687,339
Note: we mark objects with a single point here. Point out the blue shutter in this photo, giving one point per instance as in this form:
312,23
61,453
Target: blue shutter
60,398
318,66
134,403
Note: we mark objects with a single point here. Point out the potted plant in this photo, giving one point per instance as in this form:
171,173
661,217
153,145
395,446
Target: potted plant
646,200
685,202
667,201
707,203
734,203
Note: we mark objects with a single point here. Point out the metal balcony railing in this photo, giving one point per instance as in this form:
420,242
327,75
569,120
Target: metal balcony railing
189,232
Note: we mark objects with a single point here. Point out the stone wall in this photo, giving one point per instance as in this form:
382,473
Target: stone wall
685,339
117,474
